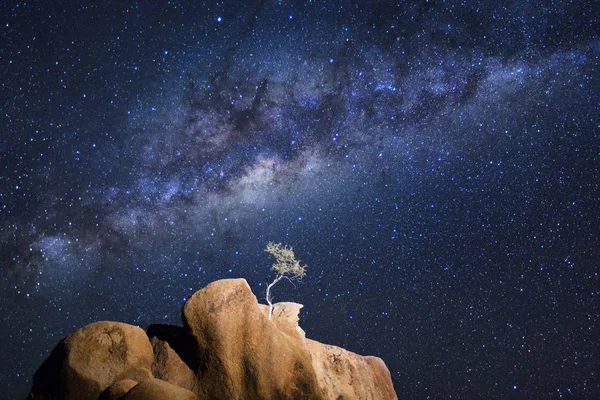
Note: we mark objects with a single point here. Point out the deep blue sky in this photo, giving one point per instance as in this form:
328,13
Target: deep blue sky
435,164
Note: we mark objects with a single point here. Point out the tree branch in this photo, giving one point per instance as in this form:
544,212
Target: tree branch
269,297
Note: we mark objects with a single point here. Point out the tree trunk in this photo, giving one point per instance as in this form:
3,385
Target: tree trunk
277,279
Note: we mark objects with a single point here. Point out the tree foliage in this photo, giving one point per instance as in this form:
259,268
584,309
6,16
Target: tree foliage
285,265
285,261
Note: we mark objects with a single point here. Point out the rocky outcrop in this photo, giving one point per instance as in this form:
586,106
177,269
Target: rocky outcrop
243,355
227,349
118,390
156,389
346,375
168,365
94,357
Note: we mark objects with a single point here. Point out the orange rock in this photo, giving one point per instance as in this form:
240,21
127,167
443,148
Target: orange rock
117,390
89,360
156,389
242,354
227,349
285,316
346,375
169,367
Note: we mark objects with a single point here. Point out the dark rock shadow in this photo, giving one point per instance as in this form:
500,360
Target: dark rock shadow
180,341
47,379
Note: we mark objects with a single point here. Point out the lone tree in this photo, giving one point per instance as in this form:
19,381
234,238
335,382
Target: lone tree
285,265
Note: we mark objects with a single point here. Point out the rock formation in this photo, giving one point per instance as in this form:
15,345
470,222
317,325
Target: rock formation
227,349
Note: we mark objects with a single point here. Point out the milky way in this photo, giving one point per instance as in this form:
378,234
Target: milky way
435,164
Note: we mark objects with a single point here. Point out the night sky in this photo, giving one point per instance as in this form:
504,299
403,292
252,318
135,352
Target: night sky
436,164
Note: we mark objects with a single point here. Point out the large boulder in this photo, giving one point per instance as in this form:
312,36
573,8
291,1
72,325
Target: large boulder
118,390
156,389
242,354
91,359
346,375
169,367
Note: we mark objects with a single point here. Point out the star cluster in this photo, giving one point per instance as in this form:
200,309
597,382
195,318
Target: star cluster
436,164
